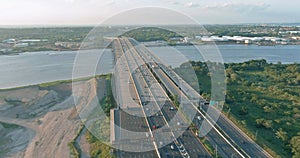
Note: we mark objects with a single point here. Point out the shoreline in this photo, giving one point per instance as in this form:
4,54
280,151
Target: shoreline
176,45
53,83
60,81
56,51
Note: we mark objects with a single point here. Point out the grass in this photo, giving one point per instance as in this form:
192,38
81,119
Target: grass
75,153
54,83
101,128
97,148
9,126
74,146
209,147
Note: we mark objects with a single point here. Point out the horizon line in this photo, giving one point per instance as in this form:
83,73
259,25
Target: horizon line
122,25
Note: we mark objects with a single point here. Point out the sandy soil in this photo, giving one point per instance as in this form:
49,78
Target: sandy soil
47,120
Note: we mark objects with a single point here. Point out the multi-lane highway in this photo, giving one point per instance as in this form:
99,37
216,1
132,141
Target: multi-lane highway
225,149
166,130
130,124
142,84
167,139
241,145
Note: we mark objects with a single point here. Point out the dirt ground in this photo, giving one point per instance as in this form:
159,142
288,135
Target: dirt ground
39,122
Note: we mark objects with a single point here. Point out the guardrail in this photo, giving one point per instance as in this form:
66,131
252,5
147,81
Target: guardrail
183,151
131,78
172,77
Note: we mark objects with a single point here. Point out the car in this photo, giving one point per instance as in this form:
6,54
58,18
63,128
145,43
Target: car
199,118
172,147
185,153
181,148
171,108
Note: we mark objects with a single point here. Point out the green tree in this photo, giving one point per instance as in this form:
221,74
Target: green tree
281,134
243,111
295,144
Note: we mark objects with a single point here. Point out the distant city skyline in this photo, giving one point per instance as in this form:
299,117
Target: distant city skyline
91,12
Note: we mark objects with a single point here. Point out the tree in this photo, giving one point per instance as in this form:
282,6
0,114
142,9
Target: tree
243,111
281,134
263,123
267,123
295,144
259,122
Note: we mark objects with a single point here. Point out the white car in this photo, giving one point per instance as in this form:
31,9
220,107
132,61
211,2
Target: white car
199,118
172,147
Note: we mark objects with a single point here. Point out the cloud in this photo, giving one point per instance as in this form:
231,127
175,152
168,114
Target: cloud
69,1
175,3
192,5
169,2
110,2
238,7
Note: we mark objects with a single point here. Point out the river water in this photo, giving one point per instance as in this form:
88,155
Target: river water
39,67
286,54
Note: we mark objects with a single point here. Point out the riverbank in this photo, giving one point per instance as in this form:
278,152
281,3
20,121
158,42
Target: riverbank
38,117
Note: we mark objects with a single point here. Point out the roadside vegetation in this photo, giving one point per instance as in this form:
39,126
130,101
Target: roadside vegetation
101,128
263,99
54,83
98,149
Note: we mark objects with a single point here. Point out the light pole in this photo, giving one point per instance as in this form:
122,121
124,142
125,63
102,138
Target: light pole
256,134
232,156
216,151
228,112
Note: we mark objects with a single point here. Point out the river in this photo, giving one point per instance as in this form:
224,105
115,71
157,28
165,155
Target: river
39,67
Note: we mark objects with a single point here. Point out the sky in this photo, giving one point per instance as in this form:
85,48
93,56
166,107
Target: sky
91,12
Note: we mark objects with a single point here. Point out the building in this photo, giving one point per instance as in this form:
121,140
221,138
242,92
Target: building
9,41
20,45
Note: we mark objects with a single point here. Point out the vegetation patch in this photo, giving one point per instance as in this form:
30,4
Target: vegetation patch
101,127
263,99
74,146
75,153
146,34
98,149
209,147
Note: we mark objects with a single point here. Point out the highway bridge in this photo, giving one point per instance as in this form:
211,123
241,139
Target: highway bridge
148,122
